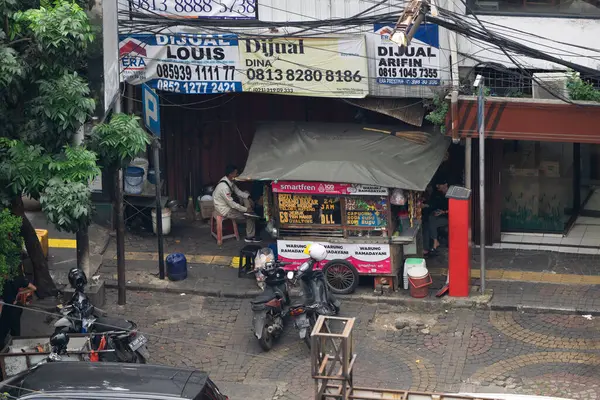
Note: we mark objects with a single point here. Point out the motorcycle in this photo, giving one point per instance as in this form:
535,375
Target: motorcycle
80,316
268,307
317,297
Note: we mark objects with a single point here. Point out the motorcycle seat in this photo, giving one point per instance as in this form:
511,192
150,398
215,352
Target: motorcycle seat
264,297
105,324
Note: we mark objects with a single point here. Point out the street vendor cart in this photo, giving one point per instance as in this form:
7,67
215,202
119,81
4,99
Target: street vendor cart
331,183
354,222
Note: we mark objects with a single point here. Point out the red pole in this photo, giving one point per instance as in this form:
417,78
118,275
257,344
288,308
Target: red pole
459,254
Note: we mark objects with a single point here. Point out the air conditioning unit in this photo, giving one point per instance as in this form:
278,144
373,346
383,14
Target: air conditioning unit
551,85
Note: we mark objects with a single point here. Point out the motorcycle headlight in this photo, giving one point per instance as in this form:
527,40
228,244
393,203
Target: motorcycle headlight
303,267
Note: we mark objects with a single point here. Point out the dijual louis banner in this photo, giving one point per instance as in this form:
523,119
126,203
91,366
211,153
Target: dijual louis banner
181,63
320,67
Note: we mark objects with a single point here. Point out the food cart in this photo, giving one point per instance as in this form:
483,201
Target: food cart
331,183
354,222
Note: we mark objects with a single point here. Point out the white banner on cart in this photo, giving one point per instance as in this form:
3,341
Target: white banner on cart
371,258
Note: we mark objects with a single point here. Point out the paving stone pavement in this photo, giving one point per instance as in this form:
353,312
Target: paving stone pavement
458,350
194,238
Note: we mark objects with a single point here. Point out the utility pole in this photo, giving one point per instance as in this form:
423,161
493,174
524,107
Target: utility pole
410,20
481,124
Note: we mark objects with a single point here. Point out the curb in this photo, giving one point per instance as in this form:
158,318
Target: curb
536,309
426,304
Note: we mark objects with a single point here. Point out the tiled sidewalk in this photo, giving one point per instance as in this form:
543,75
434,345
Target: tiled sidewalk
222,281
520,279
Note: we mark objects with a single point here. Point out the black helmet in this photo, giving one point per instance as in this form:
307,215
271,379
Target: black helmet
77,279
59,342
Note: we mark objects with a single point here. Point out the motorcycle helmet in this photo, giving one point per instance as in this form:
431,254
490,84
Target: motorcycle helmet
77,279
316,251
59,342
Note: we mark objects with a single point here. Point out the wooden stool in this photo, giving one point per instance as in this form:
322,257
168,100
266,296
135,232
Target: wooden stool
217,232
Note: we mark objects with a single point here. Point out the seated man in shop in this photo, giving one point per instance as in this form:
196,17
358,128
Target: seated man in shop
437,207
227,207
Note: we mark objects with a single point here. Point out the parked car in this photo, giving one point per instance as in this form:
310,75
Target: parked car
108,381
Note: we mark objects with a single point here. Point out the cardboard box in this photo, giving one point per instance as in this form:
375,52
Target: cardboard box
526,172
550,168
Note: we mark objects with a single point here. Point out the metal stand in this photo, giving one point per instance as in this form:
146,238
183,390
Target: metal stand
159,231
342,360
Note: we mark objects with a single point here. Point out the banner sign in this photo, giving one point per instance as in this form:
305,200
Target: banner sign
328,188
369,258
321,67
215,9
181,63
417,64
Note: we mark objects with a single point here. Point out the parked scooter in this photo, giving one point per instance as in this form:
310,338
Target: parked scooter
80,316
268,307
317,297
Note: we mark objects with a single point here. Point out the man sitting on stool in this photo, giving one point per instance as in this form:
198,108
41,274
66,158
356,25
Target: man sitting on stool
226,206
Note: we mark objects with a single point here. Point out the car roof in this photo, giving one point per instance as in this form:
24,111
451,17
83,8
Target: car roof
138,378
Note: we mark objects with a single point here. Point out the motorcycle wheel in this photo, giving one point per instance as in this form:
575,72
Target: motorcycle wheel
341,276
266,340
308,337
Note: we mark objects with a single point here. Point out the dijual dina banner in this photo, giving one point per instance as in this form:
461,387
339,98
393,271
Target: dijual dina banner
204,64
322,67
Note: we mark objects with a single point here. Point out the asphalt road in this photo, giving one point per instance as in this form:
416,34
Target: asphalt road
459,350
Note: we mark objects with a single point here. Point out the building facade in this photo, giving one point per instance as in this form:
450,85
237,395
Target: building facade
542,153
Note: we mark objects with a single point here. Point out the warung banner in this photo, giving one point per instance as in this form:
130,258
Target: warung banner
321,67
215,9
181,63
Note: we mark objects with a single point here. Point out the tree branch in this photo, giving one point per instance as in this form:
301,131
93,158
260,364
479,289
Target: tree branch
19,41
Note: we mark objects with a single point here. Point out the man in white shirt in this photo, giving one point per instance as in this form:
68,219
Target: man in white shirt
227,207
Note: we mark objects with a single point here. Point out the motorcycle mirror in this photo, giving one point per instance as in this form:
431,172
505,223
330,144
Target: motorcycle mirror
290,275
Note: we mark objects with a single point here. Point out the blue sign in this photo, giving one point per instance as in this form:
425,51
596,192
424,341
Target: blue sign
151,110
417,64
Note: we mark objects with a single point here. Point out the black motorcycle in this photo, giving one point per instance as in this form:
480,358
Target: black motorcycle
120,335
317,299
269,307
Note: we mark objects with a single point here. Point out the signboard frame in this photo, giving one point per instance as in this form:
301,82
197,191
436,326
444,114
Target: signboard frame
193,9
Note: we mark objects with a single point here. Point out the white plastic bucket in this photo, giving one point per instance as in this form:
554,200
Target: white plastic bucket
166,221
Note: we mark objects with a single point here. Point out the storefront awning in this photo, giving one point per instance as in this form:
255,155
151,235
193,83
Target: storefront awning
528,119
342,153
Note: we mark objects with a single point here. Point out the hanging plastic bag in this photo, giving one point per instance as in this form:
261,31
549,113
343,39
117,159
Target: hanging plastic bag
398,198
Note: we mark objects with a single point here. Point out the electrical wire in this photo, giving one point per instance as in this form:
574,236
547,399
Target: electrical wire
487,32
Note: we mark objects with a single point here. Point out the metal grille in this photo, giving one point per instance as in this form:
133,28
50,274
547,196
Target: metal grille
505,82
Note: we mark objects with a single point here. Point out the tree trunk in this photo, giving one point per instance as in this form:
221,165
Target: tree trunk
83,251
41,274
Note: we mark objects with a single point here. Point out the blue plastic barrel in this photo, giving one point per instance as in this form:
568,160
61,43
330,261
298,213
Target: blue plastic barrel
176,267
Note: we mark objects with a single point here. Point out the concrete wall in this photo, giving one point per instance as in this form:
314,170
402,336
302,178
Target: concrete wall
551,31
310,10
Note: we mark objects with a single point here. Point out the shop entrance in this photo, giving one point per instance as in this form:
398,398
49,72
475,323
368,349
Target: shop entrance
549,187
